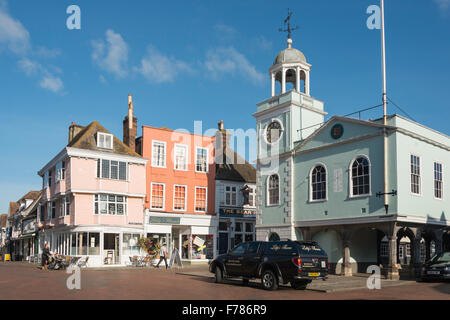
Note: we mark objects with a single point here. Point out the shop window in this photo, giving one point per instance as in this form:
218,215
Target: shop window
73,249
202,246
248,237
223,226
185,245
238,227
249,227
130,244
238,239
82,243
94,244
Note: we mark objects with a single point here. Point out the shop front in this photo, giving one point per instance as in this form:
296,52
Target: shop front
193,235
236,225
104,245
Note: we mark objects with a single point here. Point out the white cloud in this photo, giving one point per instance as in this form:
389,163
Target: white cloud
158,68
44,52
225,32
29,67
443,4
228,60
13,34
48,80
112,55
51,83
263,43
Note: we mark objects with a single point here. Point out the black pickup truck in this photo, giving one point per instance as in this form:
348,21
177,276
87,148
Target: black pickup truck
297,262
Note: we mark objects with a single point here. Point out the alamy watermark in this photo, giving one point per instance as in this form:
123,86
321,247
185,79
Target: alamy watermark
74,280
73,22
374,20
374,280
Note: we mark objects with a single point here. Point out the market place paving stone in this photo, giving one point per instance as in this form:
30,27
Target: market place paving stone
22,281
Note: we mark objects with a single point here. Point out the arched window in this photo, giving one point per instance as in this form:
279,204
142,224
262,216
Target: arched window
360,176
273,190
319,183
274,237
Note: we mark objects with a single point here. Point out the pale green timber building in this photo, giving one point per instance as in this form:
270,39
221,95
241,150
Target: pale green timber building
319,180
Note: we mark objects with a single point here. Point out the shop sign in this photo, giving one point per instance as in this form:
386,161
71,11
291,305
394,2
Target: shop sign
240,213
165,220
29,226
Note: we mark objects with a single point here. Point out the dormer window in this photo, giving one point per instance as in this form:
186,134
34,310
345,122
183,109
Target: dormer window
104,140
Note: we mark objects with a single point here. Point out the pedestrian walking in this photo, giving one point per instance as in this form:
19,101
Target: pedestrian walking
162,255
2,252
45,256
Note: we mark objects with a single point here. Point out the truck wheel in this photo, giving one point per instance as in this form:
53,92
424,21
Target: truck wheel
269,281
299,285
219,275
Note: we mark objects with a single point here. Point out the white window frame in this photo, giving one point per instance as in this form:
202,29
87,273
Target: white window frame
252,197
442,181
350,177
206,199
185,197
207,159
268,204
165,154
420,175
164,196
66,202
231,192
99,174
186,156
125,204
105,135
326,183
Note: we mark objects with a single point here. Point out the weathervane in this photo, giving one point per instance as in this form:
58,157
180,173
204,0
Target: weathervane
288,22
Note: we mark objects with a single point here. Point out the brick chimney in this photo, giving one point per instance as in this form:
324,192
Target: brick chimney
74,129
224,154
130,126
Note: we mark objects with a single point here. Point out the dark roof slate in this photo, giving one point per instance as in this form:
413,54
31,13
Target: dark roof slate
240,170
86,139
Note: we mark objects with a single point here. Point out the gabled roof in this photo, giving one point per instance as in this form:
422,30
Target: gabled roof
32,195
13,207
3,219
240,170
86,139
341,119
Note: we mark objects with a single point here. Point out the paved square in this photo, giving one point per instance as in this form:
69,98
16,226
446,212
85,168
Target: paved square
26,281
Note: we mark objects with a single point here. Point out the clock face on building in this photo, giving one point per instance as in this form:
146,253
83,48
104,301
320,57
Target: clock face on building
274,132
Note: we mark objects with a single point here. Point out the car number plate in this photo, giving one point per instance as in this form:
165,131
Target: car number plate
323,264
434,272
313,274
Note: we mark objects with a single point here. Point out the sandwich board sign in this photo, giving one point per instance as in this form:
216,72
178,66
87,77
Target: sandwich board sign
175,258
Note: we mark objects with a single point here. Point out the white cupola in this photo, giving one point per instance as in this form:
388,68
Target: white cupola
290,66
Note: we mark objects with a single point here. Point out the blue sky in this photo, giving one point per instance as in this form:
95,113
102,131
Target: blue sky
200,60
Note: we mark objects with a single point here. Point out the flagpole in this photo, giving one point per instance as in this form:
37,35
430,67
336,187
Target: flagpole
383,62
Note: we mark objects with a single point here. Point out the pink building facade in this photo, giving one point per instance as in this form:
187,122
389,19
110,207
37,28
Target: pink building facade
93,198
